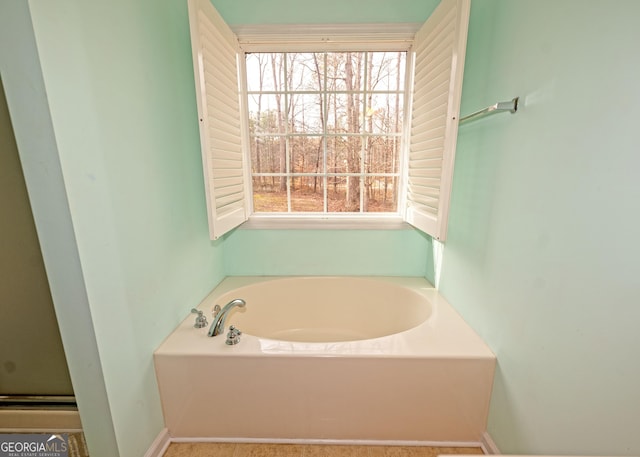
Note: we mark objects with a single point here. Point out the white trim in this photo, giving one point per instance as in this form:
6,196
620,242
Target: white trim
438,64
463,11
244,131
405,141
488,445
324,221
326,37
215,52
328,441
159,445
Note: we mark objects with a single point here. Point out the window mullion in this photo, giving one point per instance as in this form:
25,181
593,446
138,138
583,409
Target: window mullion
325,164
363,132
287,146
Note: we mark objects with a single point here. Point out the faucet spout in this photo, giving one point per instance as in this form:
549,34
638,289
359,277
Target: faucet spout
219,319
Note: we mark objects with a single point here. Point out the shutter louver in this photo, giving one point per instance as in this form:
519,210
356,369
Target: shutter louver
215,53
438,55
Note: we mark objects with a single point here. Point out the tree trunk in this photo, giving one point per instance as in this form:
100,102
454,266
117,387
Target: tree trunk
352,202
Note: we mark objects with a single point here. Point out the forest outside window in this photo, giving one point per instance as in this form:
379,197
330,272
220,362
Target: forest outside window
325,131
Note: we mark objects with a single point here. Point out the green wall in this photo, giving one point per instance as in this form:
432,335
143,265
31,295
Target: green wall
236,12
328,252
542,250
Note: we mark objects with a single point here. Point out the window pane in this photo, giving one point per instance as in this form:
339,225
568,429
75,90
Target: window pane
352,194
268,195
336,155
345,70
264,112
307,154
306,113
267,154
383,154
343,154
386,71
319,67
343,194
353,154
307,194
265,72
302,74
380,194
345,114
384,113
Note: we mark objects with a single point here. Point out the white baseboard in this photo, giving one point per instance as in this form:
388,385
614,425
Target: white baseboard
304,441
163,440
488,445
159,445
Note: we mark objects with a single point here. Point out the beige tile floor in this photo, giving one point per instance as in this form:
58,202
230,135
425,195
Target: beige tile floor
311,450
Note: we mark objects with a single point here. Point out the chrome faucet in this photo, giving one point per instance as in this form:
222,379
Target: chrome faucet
221,316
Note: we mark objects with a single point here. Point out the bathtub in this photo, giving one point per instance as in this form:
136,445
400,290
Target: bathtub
338,359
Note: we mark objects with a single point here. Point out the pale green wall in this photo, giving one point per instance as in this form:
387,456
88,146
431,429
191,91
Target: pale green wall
542,250
328,11
119,84
328,252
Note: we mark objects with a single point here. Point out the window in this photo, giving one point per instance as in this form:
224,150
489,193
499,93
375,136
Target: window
325,131
322,124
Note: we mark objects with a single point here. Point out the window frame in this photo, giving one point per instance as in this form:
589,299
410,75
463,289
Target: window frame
328,38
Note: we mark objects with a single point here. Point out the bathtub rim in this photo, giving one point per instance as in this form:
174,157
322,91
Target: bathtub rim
444,334
351,309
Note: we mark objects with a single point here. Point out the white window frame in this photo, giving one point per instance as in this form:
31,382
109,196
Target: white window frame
331,38
423,201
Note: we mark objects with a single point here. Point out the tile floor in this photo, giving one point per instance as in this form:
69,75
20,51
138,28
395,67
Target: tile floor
311,450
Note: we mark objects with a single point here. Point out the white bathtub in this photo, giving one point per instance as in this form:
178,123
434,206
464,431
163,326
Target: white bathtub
328,359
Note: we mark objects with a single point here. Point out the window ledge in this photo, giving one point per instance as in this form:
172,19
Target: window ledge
316,222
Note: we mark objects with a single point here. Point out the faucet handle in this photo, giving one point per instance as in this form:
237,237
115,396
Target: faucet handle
216,309
201,320
233,337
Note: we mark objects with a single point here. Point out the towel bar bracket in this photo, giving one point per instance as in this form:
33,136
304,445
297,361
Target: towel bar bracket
511,106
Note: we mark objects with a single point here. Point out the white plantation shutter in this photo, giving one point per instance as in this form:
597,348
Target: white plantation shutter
439,50
215,53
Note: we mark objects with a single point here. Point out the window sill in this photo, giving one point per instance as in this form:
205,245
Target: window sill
317,222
